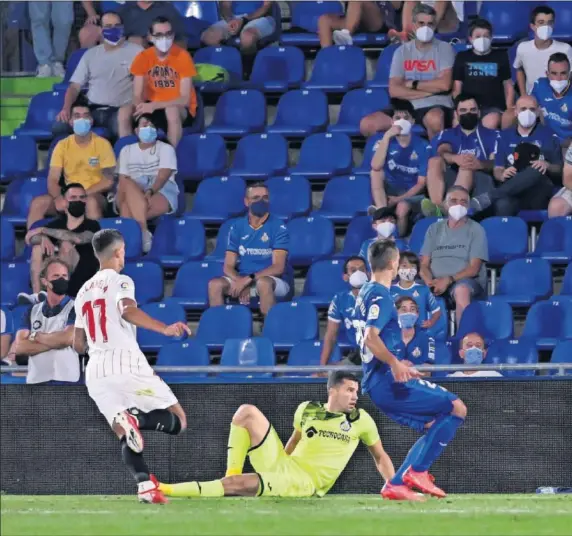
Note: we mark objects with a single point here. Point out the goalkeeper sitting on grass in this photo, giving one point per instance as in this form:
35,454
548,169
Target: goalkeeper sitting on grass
325,437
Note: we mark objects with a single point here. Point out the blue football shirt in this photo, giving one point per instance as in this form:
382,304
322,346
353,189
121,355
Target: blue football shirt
422,296
400,243
341,312
557,110
404,165
480,143
421,349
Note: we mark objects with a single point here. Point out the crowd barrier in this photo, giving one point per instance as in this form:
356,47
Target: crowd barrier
517,436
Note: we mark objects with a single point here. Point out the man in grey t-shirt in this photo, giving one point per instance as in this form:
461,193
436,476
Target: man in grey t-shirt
421,72
454,254
105,69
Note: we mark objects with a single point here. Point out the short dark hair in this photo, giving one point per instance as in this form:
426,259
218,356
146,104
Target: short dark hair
80,102
382,213
350,259
482,24
412,258
402,105
545,10
462,97
402,299
104,239
380,254
112,12
423,9
49,262
558,57
137,120
71,185
256,185
337,377
457,188
159,20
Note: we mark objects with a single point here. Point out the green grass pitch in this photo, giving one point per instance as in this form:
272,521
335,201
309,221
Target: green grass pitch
346,515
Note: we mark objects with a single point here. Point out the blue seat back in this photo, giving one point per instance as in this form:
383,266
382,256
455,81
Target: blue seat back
305,15
310,239
339,64
288,323
513,352
224,322
289,196
278,64
222,240
562,354
148,279
526,276
302,107
184,237
490,319
555,236
201,155
226,57
187,353
307,354
549,319
250,352
15,278
442,357
326,151
19,157
7,240
220,196
261,154
193,278
567,283
73,62
169,313
240,108
20,193
418,233
509,19
368,152
358,103
43,109
359,229
124,142
324,278
131,232
347,195
507,237
381,77
563,22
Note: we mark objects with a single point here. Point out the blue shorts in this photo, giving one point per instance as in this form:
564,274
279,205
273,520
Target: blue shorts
414,403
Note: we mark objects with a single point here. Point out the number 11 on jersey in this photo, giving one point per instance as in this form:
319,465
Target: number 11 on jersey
88,312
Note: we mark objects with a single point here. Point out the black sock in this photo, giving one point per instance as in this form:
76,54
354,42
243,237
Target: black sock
160,420
134,462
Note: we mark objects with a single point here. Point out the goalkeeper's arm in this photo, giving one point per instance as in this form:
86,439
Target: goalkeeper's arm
382,461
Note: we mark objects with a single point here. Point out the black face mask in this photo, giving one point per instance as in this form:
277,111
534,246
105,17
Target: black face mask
76,208
469,121
60,286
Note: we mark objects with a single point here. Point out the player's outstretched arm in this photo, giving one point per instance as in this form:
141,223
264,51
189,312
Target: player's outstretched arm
293,442
132,314
382,461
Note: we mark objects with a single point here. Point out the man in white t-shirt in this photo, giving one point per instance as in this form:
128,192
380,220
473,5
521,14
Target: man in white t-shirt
147,187
532,56
473,352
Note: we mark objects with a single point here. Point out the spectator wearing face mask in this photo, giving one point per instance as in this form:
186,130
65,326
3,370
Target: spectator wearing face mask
399,167
256,258
147,188
384,224
561,203
532,56
554,97
342,306
464,156
163,86
525,159
474,352
411,286
454,254
485,73
421,72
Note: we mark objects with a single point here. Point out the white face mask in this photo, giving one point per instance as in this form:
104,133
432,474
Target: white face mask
424,34
405,126
544,32
457,212
358,279
482,44
559,85
526,118
385,229
407,274
164,44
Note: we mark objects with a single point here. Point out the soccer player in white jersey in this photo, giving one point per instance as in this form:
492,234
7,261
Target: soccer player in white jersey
118,377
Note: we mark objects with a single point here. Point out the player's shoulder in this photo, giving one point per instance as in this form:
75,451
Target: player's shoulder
123,281
360,417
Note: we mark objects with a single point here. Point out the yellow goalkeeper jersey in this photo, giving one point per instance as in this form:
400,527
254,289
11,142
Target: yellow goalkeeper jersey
329,441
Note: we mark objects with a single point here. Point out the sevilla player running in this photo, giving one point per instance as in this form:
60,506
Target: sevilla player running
118,377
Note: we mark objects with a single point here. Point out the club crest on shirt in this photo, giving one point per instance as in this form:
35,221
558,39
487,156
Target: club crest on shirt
564,108
264,237
415,294
345,426
93,161
416,352
414,156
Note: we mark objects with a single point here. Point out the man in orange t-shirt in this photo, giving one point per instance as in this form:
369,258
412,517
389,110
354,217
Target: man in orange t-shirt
163,86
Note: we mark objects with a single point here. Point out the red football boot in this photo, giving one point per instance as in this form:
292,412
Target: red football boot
393,492
422,481
149,493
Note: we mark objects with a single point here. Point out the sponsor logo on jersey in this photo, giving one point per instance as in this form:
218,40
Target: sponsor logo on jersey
254,251
391,164
93,161
125,285
420,65
311,432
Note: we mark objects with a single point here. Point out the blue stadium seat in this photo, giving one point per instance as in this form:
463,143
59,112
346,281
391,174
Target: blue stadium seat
513,352
277,69
442,357
440,330
358,230
507,238
300,113
218,199
491,319
288,323
259,156
71,65
275,13
206,11
524,281
381,76
311,239
188,353
324,155
42,113
365,167
148,279
191,284
15,278
9,326
307,354
131,233
169,313
19,157
566,289
224,322
177,240
239,112
289,196
228,58
509,19
305,17
555,241
337,69
533,216
200,156
19,196
356,104
44,172
7,241
562,354
123,142
345,197
548,322
418,233
251,352
563,22
323,281
221,242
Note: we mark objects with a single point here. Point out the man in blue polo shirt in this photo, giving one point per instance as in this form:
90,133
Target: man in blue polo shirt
462,156
256,255
525,159
554,97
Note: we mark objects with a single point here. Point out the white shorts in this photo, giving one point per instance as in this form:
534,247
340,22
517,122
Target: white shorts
566,194
265,26
114,394
281,288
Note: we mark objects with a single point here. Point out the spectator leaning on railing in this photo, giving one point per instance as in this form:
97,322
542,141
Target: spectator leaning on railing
473,352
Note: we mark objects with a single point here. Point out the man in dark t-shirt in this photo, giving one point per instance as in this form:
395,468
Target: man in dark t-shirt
485,74
69,238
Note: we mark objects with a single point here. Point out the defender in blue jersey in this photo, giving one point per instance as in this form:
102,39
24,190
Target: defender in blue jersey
399,166
256,255
393,386
554,97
